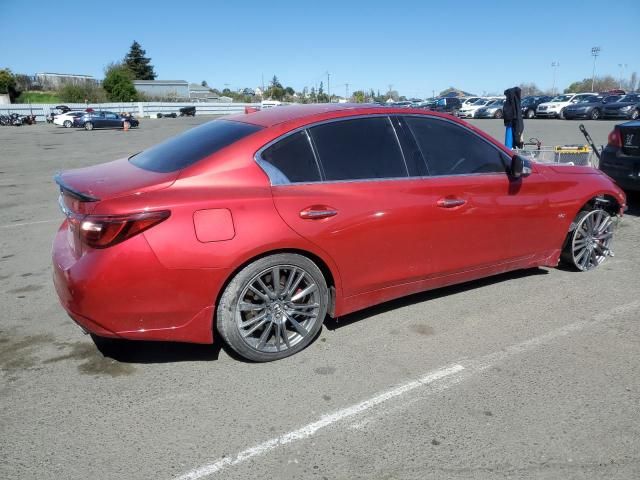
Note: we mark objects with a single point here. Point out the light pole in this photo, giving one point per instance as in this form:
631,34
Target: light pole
622,66
555,66
595,51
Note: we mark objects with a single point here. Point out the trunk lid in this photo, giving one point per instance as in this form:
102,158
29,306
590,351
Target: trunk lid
630,136
110,180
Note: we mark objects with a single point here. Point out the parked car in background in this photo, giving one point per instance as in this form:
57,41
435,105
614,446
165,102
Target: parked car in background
493,109
620,159
626,107
191,111
104,119
256,226
467,111
66,119
447,105
589,107
555,107
400,104
469,101
530,103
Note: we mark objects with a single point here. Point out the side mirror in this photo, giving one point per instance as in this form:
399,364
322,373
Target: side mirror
520,167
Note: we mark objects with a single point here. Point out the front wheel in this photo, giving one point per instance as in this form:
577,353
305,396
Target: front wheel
530,114
595,114
498,114
273,308
88,126
635,115
589,244
67,124
561,115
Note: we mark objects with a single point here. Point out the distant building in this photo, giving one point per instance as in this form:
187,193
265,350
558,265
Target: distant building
257,91
165,89
198,93
49,80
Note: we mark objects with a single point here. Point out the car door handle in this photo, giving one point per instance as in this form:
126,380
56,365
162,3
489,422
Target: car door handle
450,202
317,212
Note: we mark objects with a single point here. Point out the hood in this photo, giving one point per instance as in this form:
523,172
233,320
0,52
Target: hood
113,179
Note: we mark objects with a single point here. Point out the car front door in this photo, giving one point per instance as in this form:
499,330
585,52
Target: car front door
344,186
479,216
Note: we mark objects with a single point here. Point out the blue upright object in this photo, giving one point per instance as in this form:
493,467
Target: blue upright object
508,136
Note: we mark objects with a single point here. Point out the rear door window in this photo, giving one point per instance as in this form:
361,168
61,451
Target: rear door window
357,149
290,160
187,148
450,149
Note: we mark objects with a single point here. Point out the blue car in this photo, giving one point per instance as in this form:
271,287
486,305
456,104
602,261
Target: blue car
102,119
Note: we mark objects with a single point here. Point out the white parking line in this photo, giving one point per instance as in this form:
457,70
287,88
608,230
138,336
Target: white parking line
12,225
453,374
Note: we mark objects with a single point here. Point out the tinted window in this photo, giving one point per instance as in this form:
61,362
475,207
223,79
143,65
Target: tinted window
452,150
359,149
291,160
193,145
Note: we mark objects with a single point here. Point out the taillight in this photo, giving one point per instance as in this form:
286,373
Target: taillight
98,231
615,139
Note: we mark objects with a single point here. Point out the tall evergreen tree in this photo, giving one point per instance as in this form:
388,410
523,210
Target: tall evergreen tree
139,65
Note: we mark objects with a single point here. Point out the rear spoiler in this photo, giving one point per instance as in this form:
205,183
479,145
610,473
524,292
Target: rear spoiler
64,188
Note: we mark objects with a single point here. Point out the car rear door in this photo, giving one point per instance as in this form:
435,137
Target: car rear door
344,186
479,216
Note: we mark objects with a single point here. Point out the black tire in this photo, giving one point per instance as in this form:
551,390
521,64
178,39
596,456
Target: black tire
159,115
570,255
635,114
88,126
67,124
229,315
561,115
498,114
595,114
530,114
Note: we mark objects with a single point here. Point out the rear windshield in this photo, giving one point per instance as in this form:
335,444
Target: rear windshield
187,148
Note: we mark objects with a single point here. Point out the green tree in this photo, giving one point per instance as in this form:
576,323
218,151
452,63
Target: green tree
359,96
204,83
322,97
139,65
118,84
8,84
81,93
600,84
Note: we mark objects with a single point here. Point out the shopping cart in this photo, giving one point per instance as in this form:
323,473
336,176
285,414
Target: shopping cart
563,154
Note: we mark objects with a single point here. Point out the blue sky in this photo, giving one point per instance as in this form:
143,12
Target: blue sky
416,46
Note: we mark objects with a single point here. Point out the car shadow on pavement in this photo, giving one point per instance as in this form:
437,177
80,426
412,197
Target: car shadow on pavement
633,201
136,351
333,323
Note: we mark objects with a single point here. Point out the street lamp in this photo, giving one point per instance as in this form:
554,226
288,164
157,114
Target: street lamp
623,66
595,51
555,66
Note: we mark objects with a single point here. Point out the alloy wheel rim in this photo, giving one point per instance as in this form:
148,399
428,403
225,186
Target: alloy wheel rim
278,308
592,240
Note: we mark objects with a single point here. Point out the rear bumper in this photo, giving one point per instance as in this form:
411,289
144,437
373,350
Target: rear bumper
546,114
124,292
623,169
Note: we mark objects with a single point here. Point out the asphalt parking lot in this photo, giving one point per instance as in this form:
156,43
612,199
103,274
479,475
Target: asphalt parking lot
533,374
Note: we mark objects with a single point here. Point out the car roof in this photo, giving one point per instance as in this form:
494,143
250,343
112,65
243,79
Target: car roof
312,112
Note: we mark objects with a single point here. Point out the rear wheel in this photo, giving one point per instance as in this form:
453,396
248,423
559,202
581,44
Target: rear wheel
561,114
595,114
589,244
88,126
498,114
635,115
273,308
530,114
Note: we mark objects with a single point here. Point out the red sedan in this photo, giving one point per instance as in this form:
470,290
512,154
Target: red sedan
257,226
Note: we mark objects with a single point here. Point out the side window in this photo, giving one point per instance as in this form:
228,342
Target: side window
290,160
362,148
452,150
